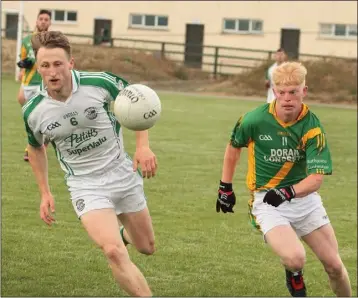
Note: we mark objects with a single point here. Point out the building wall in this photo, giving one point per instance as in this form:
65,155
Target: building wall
275,15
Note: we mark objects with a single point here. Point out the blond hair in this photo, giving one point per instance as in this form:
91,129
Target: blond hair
51,40
289,74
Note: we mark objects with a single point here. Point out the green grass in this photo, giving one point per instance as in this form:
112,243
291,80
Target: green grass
199,252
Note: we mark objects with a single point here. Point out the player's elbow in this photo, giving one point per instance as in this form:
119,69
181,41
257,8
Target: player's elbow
21,98
35,150
317,180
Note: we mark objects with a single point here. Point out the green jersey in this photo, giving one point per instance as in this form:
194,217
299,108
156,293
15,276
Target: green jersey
31,76
281,154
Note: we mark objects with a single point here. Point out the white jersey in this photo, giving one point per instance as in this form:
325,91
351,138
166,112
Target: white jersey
270,94
84,132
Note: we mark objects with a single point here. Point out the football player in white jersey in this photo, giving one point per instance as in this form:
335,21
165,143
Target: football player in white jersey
280,57
73,111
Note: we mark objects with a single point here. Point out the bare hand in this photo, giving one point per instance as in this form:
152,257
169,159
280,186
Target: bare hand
147,160
47,209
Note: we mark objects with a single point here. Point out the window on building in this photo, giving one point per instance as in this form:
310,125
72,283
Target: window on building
63,16
256,26
72,16
338,30
352,30
230,25
243,26
148,21
59,15
136,20
163,21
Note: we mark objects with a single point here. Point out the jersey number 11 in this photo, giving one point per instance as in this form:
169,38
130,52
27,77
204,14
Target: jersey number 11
284,141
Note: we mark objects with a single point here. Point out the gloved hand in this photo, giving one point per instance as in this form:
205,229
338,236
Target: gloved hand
25,63
276,197
226,198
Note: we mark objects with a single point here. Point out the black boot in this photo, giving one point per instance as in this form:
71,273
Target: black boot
295,283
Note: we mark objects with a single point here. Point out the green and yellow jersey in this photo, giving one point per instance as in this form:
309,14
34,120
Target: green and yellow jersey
281,154
31,76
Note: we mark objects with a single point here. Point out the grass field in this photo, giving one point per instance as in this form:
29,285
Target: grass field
199,252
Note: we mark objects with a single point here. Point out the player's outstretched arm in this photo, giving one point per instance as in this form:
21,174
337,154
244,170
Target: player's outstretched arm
231,158
226,197
38,161
144,156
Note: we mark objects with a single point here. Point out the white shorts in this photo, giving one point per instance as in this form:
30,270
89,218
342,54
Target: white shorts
30,91
303,214
117,187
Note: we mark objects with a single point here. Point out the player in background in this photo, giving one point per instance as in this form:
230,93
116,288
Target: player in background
73,111
288,155
29,77
280,57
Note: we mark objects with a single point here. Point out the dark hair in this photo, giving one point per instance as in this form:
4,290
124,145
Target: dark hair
51,40
44,11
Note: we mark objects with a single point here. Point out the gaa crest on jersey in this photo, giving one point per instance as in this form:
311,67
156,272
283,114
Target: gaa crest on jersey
91,113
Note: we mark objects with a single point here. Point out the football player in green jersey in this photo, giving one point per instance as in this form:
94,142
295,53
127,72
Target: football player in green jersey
287,159
30,78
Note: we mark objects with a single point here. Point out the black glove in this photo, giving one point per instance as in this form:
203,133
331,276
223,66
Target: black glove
276,197
25,63
226,198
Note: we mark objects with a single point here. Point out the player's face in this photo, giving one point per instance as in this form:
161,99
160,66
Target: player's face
289,99
55,66
43,22
280,56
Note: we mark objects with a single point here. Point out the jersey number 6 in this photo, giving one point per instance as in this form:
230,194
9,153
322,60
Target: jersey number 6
73,121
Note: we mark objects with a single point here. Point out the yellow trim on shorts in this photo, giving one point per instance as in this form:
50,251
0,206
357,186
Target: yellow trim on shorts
252,218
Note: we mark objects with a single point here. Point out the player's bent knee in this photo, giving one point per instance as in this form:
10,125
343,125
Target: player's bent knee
294,261
148,248
115,254
335,268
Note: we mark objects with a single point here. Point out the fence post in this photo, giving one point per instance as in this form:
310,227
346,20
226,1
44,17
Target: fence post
269,55
216,58
162,53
